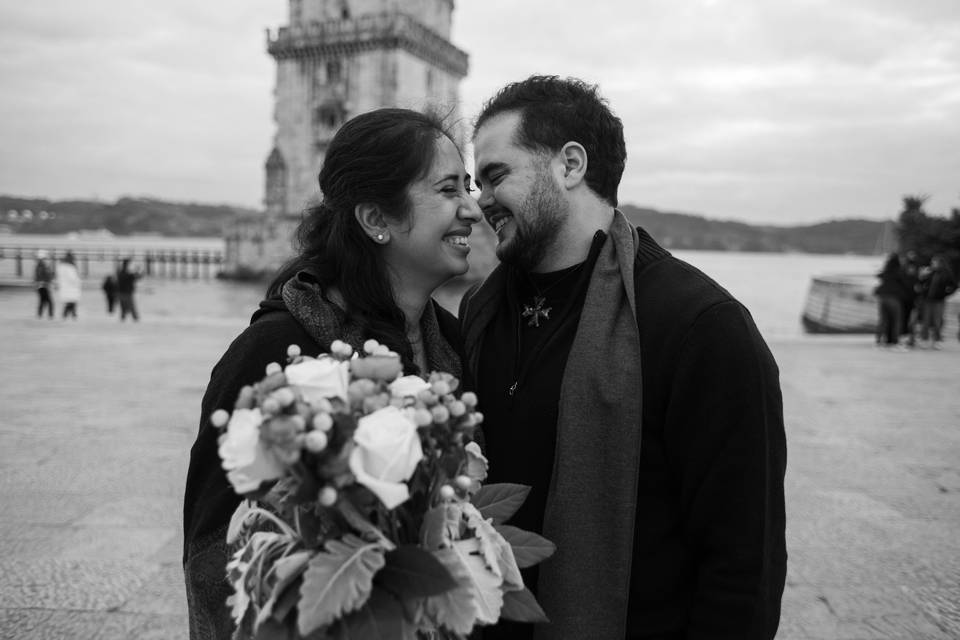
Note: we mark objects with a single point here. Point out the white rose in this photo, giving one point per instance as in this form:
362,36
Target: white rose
238,445
319,379
247,461
386,453
408,386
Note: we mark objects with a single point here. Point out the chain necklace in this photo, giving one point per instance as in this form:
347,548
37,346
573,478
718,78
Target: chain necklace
537,309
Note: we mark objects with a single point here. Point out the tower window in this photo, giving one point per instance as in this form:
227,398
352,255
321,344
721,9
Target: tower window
334,71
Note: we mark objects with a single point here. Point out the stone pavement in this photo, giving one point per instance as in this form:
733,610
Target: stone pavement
98,418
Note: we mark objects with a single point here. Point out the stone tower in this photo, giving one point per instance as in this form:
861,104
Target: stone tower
336,59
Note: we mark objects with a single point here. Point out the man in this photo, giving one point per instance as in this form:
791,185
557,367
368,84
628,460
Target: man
631,392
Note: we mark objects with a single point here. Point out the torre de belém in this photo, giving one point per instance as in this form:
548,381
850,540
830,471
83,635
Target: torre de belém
336,59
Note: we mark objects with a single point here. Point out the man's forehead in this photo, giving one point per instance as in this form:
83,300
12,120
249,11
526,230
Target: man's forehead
499,129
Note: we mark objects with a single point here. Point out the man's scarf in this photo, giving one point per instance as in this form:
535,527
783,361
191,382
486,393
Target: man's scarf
592,500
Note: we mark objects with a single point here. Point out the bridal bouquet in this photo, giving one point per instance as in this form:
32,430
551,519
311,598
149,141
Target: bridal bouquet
365,516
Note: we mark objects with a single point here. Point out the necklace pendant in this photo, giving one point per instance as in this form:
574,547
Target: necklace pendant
536,311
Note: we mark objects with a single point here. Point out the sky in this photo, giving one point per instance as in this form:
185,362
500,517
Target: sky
765,111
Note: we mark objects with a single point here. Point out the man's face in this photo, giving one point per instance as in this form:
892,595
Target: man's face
519,194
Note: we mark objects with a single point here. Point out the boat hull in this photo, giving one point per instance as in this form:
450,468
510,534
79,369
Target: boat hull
845,304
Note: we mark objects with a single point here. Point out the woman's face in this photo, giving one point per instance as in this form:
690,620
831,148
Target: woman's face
432,245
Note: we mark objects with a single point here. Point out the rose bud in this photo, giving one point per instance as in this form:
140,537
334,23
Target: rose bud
284,396
315,441
376,367
219,418
322,422
327,496
246,398
273,367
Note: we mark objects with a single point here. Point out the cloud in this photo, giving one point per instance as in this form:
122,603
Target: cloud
747,109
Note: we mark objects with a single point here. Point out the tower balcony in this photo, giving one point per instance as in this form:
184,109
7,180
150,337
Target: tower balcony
337,38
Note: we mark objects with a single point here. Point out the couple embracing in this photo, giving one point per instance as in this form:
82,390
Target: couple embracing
632,393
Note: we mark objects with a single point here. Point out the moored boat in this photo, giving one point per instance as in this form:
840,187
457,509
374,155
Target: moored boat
846,304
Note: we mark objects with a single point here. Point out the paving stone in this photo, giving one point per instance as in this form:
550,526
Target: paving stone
18,623
135,511
70,584
91,482
942,604
163,594
122,626
115,543
65,625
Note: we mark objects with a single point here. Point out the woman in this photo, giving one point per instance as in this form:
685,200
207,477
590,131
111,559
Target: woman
393,225
69,285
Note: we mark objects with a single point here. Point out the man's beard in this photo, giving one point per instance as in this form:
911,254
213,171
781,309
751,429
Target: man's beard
537,223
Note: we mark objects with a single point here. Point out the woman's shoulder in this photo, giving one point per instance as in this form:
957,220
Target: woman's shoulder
274,330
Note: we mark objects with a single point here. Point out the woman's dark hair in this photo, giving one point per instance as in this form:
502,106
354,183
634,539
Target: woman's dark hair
373,158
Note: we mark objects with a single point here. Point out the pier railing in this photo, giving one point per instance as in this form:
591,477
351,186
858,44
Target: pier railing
18,261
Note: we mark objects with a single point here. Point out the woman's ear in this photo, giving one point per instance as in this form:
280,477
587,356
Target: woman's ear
574,158
372,222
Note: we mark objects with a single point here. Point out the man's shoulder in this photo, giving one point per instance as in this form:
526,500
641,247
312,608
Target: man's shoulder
674,295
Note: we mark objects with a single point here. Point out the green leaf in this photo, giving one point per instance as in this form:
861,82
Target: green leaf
455,609
500,501
273,630
528,547
412,572
286,570
522,606
496,551
483,583
381,618
337,581
238,521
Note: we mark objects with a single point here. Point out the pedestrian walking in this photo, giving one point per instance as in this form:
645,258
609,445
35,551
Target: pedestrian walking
69,285
44,275
110,291
126,285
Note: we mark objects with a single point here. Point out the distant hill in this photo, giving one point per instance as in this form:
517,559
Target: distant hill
129,216
684,231
126,216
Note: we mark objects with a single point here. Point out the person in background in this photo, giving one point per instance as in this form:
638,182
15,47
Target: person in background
69,285
938,283
44,275
393,226
126,285
110,291
891,292
912,301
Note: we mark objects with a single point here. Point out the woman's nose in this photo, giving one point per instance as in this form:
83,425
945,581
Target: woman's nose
469,209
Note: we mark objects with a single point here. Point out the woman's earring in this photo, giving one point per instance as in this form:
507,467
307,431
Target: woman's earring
380,237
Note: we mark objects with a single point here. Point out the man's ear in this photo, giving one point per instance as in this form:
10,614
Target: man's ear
574,158
372,222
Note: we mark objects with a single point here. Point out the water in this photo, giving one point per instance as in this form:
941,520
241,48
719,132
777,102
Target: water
772,286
